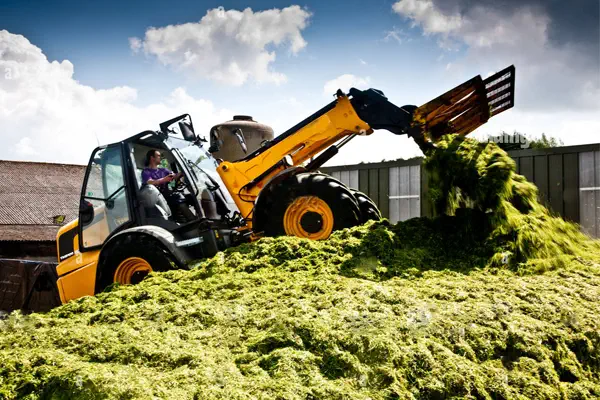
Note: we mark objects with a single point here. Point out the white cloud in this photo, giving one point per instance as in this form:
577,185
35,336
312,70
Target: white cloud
380,145
24,148
229,46
46,115
549,77
424,13
345,82
135,44
572,127
557,89
395,34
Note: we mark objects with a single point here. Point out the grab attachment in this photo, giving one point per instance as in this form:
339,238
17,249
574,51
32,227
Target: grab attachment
467,106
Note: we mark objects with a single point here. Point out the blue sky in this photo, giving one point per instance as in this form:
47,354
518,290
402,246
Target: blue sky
432,47
94,39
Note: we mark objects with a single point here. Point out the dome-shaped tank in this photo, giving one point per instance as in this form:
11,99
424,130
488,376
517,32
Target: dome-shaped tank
229,146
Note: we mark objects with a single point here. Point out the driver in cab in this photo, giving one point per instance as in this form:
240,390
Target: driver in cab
160,177
156,176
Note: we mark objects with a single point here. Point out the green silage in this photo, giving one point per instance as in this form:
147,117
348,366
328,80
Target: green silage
425,309
467,175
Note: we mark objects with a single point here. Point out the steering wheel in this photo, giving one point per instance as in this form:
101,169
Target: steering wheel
180,184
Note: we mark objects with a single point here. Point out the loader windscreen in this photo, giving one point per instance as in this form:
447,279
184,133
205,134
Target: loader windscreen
202,166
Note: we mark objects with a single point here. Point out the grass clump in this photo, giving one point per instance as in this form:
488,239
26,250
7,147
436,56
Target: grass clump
416,310
481,178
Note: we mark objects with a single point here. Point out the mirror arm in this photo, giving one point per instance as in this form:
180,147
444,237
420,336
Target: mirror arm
164,127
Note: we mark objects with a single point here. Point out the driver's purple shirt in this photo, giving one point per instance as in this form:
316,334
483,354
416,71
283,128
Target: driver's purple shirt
155,174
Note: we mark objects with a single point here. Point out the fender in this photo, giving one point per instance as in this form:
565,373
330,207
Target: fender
261,206
163,236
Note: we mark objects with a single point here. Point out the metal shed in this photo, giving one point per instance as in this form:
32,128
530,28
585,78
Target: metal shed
568,179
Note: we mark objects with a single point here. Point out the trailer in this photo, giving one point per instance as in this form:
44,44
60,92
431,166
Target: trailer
29,286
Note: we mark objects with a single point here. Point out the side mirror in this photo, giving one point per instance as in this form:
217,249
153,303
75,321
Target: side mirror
240,137
215,141
185,126
86,212
187,131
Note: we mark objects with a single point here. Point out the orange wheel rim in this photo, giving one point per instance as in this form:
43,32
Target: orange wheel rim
308,217
131,268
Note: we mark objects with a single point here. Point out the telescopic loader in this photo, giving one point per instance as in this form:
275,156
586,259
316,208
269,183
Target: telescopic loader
126,229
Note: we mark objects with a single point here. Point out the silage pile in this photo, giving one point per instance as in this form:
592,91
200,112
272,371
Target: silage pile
479,179
473,304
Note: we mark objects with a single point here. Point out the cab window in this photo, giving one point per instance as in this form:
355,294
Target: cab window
104,204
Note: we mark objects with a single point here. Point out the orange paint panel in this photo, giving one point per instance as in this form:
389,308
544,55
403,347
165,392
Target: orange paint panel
78,283
78,260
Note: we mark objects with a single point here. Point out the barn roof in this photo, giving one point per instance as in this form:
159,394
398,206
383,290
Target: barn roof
33,194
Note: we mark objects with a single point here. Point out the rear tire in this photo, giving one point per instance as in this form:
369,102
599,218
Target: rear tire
130,260
368,208
309,205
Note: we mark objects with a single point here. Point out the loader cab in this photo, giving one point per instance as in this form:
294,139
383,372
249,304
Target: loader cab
200,186
114,197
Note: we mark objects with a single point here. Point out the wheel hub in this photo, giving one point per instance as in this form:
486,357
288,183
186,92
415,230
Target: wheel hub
308,217
138,276
132,270
311,222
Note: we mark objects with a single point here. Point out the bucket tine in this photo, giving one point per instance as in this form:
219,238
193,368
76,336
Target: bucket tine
468,106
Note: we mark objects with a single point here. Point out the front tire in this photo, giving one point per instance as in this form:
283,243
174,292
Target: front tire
368,208
310,205
130,260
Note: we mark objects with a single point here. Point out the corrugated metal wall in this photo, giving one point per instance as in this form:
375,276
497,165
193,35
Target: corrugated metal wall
374,183
568,180
556,174
405,193
589,192
395,186
349,178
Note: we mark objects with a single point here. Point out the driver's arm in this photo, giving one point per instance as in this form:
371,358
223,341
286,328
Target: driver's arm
160,181
172,176
147,178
